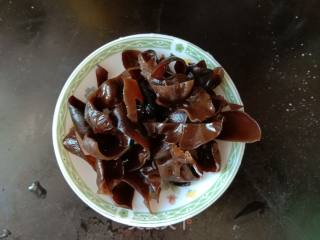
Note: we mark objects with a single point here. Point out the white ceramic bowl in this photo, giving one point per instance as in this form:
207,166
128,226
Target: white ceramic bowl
176,203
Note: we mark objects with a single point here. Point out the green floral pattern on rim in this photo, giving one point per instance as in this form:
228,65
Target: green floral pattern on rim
179,47
141,218
123,213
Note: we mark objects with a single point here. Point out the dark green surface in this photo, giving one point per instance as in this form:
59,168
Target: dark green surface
271,49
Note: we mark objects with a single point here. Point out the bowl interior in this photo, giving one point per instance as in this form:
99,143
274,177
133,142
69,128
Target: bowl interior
176,203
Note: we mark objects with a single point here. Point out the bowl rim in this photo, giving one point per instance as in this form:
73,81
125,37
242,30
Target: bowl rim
55,139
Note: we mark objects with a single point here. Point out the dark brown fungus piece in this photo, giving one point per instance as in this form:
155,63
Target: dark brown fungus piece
238,126
188,136
128,128
202,64
134,73
101,75
140,184
72,143
208,158
149,109
161,149
123,194
177,168
171,131
106,146
130,58
76,108
150,55
147,62
109,174
180,67
195,135
99,122
151,173
173,79
198,106
234,106
196,68
221,104
217,77
207,78
109,93
159,71
131,93
172,94
135,157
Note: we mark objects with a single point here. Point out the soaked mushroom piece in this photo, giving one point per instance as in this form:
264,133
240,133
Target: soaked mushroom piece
147,62
201,64
160,70
108,94
135,158
150,55
122,194
72,143
128,128
217,77
172,94
195,68
151,174
149,109
109,174
130,58
76,108
177,168
221,104
207,157
99,122
180,67
134,73
131,93
195,135
101,75
141,185
172,79
206,78
187,136
198,106
239,127
108,146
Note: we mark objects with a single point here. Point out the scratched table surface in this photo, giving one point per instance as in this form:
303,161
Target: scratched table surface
271,48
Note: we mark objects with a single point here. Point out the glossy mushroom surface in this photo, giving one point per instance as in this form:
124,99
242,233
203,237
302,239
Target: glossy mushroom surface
156,122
